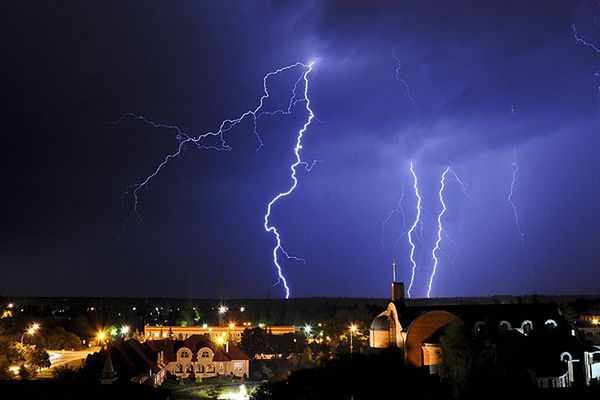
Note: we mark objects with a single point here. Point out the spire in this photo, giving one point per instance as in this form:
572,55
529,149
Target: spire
394,270
108,375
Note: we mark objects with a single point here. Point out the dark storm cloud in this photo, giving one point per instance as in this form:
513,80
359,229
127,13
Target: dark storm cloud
486,78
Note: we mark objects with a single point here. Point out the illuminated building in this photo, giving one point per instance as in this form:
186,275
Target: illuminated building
197,356
231,332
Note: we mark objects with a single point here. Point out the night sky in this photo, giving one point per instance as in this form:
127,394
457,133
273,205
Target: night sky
488,79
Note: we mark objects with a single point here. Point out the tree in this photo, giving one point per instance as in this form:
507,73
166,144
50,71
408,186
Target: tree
255,341
38,359
65,373
59,339
4,372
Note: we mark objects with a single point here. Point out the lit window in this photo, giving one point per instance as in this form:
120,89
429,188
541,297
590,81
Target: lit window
237,366
205,354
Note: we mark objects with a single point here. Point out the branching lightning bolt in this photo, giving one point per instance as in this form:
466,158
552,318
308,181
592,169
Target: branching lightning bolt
199,140
440,229
297,148
402,81
400,208
588,44
416,222
516,214
583,41
221,145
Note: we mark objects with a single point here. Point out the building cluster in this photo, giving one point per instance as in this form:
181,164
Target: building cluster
556,354
152,361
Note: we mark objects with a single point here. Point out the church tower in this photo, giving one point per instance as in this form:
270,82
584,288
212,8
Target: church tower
397,287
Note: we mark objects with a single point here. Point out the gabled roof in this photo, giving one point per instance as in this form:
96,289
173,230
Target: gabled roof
194,343
128,360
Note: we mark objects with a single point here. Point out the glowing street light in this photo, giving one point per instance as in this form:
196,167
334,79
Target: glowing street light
31,330
222,310
124,330
231,325
595,321
101,335
353,329
307,329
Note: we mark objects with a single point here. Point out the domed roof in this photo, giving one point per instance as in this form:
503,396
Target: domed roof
381,323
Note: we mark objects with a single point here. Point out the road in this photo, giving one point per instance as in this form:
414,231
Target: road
62,357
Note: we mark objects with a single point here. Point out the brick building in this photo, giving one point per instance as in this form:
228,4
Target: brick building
558,356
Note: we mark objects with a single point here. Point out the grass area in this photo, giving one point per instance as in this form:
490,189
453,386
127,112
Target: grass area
209,388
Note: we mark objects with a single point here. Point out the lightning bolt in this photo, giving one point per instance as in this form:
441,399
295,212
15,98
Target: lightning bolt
516,214
440,229
201,140
271,228
588,44
583,41
402,81
391,214
416,222
221,145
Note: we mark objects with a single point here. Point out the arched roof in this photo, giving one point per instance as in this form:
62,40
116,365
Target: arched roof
420,329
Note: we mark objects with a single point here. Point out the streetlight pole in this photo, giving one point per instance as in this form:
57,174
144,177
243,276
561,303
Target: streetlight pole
352,330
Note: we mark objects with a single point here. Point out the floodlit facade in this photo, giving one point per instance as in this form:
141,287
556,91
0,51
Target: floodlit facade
198,357
215,333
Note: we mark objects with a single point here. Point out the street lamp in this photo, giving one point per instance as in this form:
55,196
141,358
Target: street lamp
124,330
353,329
307,330
33,328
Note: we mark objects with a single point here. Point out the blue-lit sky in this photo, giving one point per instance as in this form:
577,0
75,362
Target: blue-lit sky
487,78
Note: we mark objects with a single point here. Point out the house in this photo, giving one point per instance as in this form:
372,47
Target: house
198,356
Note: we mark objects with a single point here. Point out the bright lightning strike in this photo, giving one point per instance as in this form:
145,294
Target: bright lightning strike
440,230
200,141
413,227
516,214
297,148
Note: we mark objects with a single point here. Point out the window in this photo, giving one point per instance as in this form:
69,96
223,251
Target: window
480,327
527,326
566,356
237,366
205,354
550,324
184,354
504,326
220,366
